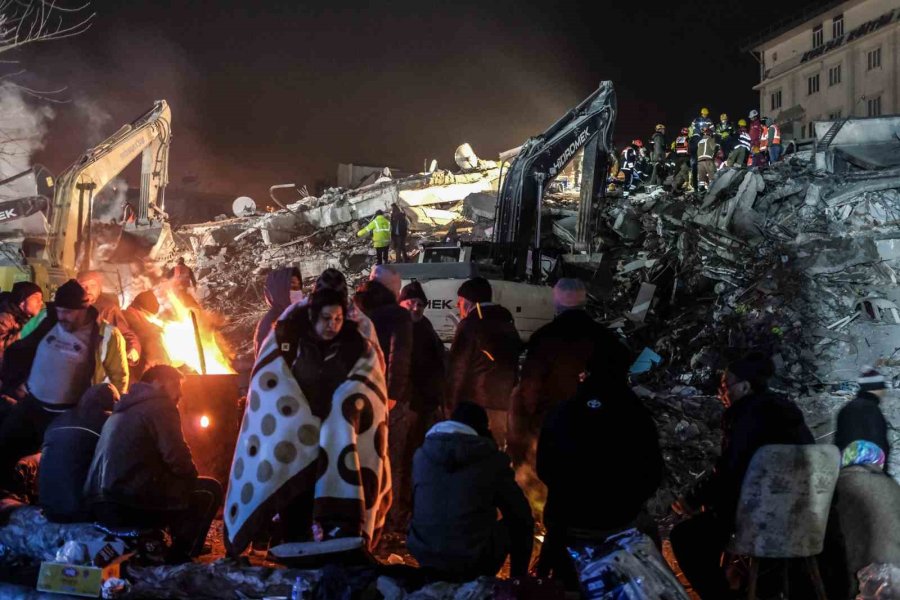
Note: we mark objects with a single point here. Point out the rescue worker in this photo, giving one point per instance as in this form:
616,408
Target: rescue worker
682,163
108,307
380,228
706,164
629,163
773,138
658,155
183,276
738,156
725,134
696,134
755,131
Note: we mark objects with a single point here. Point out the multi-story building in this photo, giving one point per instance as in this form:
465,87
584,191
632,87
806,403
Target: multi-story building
836,60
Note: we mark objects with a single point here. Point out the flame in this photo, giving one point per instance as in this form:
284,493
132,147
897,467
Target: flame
181,344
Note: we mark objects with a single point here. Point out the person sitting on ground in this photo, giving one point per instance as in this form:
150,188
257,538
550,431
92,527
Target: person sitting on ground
143,308
754,417
460,481
282,289
587,434
71,349
108,307
67,454
861,418
143,474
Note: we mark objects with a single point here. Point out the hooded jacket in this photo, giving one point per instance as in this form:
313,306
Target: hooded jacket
278,297
12,320
108,361
394,329
484,358
142,459
862,419
67,454
381,231
460,480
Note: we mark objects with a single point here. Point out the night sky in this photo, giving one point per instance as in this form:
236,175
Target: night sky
273,92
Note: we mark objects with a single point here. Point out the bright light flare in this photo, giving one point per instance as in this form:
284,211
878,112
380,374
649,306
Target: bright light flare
181,345
204,421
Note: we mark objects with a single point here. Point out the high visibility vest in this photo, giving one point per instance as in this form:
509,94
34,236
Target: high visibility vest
629,157
381,231
681,145
776,135
744,140
764,140
706,149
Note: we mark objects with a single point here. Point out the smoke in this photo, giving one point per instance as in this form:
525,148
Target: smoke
108,203
23,125
95,120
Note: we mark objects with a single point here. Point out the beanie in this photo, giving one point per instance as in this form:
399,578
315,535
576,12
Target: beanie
146,301
71,295
23,289
413,290
569,293
473,415
871,380
477,289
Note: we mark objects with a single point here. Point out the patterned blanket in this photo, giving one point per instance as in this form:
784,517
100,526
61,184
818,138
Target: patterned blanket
284,450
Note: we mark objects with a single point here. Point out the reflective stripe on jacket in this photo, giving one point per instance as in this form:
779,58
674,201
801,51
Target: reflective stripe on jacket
681,145
744,140
764,139
775,134
706,149
381,231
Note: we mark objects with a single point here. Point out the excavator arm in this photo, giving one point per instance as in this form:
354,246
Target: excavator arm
517,227
149,136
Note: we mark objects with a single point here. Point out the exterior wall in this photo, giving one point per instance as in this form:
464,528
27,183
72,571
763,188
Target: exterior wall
788,63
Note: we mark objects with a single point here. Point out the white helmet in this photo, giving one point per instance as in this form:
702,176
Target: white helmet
754,114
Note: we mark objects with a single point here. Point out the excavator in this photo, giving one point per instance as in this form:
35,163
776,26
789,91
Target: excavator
69,239
513,259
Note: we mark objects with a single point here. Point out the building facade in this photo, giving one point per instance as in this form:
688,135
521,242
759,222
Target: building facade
841,60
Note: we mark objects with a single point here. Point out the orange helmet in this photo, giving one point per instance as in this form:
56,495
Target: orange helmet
637,143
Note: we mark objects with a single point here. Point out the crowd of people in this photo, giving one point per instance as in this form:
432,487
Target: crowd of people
697,152
103,416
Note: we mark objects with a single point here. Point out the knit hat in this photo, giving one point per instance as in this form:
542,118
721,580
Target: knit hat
473,415
71,295
871,380
569,293
413,290
146,301
477,289
23,289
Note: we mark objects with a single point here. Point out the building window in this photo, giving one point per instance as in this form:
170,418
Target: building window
873,59
834,75
873,106
813,84
776,100
834,116
803,132
837,27
774,57
818,37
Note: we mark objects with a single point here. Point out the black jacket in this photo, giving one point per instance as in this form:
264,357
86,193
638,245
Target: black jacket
862,419
484,358
599,456
142,460
658,150
67,453
752,422
428,375
153,351
399,223
460,480
394,329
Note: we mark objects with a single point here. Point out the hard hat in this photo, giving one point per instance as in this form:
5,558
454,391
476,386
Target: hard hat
660,127
684,131
637,143
754,114
723,117
704,112
742,123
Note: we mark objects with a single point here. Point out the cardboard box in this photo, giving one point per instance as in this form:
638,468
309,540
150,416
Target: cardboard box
77,580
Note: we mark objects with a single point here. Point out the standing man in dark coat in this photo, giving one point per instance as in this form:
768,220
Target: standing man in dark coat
154,483
399,229
862,419
282,287
658,155
606,434
754,417
484,357
67,453
144,307
460,481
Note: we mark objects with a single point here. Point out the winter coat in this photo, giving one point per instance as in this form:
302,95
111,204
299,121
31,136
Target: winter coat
393,325
110,312
556,355
753,421
153,352
428,372
484,358
755,134
142,460
862,419
381,231
278,296
611,436
399,223
12,320
658,142
107,362
67,454
460,480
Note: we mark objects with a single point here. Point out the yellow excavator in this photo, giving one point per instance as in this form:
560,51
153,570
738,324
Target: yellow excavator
70,239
